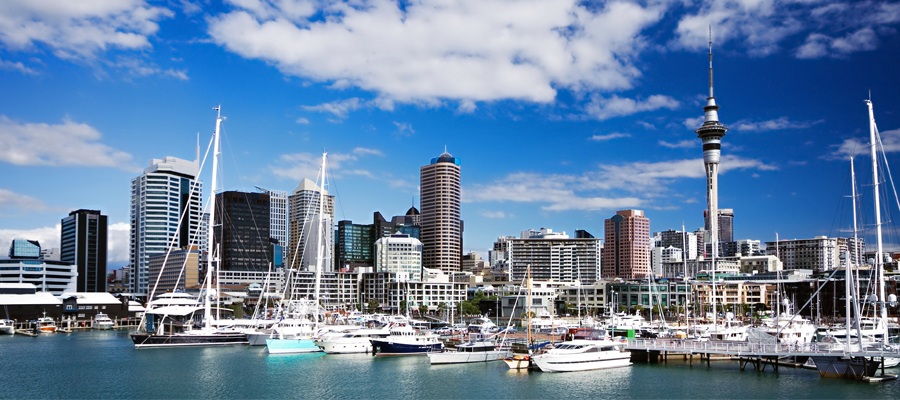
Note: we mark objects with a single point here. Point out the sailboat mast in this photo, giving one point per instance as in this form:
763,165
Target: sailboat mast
879,262
207,312
320,253
854,289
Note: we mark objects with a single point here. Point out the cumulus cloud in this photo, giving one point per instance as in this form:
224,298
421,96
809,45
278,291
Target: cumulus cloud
65,144
611,136
606,188
339,108
818,45
495,214
614,106
773,124
118,242
79,29
426,51
404,129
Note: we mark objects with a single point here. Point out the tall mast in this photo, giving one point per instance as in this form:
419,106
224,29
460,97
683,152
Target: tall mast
879,262
854,289
320,253
212,213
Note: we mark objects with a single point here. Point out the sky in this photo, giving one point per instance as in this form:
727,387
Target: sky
561,112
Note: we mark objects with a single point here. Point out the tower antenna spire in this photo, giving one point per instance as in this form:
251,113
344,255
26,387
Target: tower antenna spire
710,63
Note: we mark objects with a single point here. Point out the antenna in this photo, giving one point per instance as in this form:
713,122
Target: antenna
710,63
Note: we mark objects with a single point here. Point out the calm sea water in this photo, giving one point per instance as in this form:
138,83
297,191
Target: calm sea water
102,365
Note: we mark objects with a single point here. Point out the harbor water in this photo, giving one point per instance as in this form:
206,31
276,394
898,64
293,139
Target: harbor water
105,365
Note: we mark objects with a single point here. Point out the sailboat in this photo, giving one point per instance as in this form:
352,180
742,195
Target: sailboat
860,367
170,325
304,341
524,361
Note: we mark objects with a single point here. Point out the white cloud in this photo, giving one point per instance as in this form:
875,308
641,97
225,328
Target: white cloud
48,237
693,123
684,144
818,45
646,125
773,124
761,26
16,66
79,29
890,141
298,166
611,136
339,108
118,242
139,67
404,129
302,120
362,151
466,50
19,202
603,108
66,144
495,214
608,187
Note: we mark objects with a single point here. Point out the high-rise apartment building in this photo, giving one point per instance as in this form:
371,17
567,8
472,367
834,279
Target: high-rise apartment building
83,241
303,222
626,251
442,227
686,241
726,224
241,234
168,189
555,257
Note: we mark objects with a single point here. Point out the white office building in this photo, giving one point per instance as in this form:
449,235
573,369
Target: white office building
401,255
159,197
303,222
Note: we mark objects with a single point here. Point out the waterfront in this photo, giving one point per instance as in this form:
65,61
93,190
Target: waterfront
105,365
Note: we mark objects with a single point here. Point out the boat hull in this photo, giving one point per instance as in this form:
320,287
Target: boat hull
291,346
388,348
518,362
186,340
103,327
345,347
845,368
457,357
582,362
257,338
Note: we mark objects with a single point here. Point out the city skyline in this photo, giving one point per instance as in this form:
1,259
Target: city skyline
561,113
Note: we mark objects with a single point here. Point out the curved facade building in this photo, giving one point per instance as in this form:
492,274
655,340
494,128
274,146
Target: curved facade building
441,230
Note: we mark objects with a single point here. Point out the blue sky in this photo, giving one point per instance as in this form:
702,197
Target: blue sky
562,112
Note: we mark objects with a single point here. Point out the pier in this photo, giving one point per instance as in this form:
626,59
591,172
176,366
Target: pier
759,355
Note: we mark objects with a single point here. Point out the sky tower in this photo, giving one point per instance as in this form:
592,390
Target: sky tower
711,133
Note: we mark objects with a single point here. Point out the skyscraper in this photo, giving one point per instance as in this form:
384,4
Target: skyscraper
711,134
441,230
626,251
167,189
726,224
303,210
242,231
83,242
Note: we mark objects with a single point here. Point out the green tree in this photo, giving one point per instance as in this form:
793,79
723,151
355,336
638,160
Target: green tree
373,305
467,308
238,310
423,309
403,306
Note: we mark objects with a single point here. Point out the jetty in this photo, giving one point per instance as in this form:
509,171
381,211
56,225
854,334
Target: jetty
760,354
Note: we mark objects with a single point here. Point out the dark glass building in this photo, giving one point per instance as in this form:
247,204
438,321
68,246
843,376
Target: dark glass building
241,234
83,242
355,244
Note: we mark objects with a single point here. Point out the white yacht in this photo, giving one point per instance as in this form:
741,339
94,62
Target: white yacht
103,322
478,348
7,327
482,325
359,341
589,351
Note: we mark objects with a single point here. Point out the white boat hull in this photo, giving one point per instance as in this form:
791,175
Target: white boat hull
345,346
582,362
456,357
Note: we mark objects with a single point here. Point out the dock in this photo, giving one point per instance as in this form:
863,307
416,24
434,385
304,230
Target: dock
758,355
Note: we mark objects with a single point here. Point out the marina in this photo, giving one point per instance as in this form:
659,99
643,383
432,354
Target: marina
110,367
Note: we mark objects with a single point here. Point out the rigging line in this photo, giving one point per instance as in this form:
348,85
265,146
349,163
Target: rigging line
890,177
840,206
307,213
180,221
337,195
